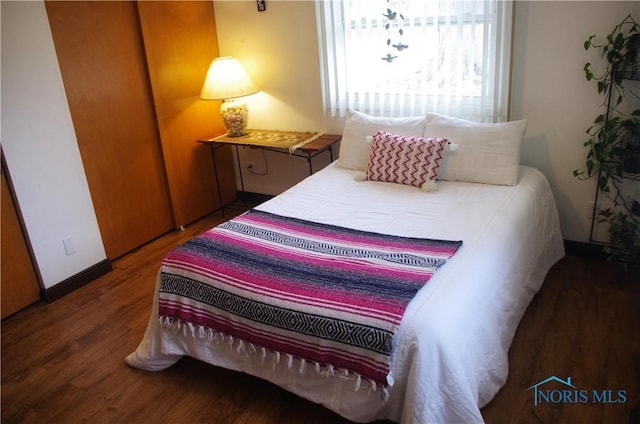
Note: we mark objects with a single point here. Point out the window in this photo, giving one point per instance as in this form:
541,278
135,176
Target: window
456,60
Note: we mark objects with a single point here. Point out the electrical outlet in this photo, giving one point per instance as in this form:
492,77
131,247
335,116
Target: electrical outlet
69,246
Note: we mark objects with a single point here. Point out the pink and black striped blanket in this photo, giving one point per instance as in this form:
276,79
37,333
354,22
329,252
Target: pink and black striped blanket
322,295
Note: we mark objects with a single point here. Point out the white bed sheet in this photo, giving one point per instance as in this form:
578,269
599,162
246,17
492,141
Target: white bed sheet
449,355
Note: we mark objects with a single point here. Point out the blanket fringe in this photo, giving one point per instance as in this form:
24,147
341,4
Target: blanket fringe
240,346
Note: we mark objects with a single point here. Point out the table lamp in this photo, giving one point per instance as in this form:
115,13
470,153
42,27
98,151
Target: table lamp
227,80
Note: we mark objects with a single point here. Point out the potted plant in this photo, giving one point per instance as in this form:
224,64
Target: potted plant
613,147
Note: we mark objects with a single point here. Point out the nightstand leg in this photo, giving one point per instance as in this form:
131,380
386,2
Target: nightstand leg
215,171
239,169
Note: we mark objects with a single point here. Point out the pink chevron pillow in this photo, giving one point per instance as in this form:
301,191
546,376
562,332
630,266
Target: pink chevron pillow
405,159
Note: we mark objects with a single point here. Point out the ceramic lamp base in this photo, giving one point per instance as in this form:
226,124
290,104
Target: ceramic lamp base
235,116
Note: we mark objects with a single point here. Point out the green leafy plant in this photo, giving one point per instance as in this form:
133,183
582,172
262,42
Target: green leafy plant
608,146
623,230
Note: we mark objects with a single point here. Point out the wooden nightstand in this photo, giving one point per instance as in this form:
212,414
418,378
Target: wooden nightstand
306,145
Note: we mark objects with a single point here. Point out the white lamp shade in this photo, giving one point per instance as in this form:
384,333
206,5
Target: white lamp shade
226,79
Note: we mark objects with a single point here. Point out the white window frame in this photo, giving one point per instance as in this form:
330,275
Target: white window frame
490,104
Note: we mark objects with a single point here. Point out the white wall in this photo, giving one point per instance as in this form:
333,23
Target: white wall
279,49
550,90
40,147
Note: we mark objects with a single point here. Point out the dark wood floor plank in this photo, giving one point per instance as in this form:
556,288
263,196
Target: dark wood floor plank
64,362
583,324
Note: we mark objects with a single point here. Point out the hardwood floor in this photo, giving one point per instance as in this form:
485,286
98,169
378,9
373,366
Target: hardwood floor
584,324
64,362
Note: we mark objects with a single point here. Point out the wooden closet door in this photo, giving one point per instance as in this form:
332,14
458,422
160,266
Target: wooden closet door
180,41
104,73
19,286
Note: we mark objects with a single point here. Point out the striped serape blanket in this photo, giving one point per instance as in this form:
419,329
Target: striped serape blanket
314,294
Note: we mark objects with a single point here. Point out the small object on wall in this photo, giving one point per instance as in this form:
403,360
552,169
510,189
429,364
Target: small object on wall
262,5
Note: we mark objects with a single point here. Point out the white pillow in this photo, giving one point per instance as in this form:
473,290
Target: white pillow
354,149
487,153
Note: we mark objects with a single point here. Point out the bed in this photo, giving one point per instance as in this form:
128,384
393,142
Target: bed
448,349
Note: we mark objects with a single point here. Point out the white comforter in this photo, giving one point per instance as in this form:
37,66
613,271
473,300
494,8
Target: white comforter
449,355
